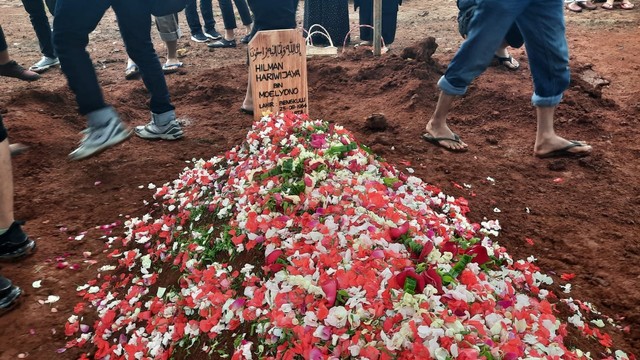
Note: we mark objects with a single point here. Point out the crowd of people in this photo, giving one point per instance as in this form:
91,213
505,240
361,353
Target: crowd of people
488,26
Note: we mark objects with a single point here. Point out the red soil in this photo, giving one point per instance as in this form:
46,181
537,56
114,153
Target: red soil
581,214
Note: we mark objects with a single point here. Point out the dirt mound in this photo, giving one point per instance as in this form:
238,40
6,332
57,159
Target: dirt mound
580,215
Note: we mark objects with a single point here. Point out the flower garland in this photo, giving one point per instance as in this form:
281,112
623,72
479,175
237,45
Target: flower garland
301,243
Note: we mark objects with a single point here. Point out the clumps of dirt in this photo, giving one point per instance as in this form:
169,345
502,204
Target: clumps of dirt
596,162
557,165
376,122
405,81
56,101
586,80
421,51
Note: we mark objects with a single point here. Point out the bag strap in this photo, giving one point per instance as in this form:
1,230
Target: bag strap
310,41
322,32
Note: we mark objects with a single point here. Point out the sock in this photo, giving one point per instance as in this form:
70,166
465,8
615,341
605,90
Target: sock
2,231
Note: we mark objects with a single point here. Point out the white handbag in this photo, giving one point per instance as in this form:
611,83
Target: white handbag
312,50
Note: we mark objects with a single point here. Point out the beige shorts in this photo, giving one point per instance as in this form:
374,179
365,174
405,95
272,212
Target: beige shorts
168,27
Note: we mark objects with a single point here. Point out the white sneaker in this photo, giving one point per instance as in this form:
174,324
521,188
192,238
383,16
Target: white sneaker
96,140
44,64
151,131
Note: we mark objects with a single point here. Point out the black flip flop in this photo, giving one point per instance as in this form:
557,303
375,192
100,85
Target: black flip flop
437,142
246,111
565,153
507,60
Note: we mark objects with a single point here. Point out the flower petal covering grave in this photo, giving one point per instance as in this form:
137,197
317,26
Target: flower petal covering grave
301,244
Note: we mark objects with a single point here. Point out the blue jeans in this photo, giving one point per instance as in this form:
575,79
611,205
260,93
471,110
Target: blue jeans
40,23
75,19
191,11
542,25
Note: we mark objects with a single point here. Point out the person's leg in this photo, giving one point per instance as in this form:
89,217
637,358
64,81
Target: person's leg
134,19
505,59
247,104
543,28
193,19
228,16
172,52
73,22
486,32
366,20
4,49
229,20
14,243
437,128
40,23
206,9
389,21
245,14
6,181
170,33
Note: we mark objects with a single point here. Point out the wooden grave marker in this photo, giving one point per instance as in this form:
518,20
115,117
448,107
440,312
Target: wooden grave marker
278,72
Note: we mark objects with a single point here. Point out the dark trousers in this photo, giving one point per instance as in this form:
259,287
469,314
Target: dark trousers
389,20
191,11
75,19
3,131
332,15
229,18
40,23
3,41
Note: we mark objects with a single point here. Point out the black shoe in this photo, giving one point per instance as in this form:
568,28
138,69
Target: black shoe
212,34
199,38
245,39
15,243
8,295
223,43
17,149
14,70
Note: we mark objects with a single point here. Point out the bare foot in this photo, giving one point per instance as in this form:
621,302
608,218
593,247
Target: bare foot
443,136
560,147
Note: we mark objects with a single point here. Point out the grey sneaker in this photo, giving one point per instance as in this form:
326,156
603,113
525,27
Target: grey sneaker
96,140
44,64
151,131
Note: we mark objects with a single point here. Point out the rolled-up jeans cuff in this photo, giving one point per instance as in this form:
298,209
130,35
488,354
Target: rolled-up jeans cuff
547,101
100,118
449,89
168,27
174,36
164,118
